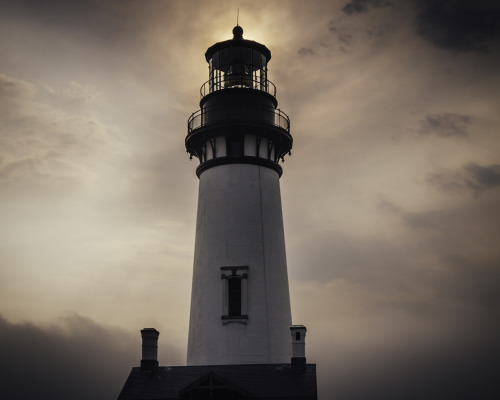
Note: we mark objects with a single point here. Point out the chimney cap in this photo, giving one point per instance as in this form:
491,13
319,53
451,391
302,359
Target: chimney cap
298,328
149,330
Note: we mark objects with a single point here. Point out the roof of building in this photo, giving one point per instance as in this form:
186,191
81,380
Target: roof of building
255,381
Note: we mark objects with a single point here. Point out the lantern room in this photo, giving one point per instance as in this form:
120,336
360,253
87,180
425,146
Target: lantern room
237,63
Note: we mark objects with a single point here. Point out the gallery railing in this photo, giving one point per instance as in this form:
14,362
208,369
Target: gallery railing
238,81
237,114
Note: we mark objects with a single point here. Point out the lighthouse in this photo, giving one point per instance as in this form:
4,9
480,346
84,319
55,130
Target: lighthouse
240,303
242,344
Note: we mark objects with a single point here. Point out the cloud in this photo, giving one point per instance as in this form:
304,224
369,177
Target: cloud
371,29
305,51
471,177
344,36
459,25
15,88
418,309
413,321
45,139
362,6
445,125
415,366
366,261
82,93
458,251
73,359
93,17
484,177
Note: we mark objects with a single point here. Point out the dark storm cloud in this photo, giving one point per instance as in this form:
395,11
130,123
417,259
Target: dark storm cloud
484,177
445,125
471,177
112,24
459,25
474,280
367,261
305,51
437,299
77,359
85,15
361,6
343,36
416,367
461,265
441,263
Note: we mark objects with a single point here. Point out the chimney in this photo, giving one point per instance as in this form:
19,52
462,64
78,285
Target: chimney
149,361
298,346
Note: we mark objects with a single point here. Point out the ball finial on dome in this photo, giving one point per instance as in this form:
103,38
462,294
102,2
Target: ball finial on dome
237,32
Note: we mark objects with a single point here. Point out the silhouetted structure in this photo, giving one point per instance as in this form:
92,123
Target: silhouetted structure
239,137
239,332
221,382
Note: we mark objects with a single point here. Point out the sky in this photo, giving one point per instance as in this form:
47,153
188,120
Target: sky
391,197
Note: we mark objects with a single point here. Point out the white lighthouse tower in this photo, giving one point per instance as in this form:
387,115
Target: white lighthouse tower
240,303
242,344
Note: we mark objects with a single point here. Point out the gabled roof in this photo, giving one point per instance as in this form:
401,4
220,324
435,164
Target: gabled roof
254,381
210,382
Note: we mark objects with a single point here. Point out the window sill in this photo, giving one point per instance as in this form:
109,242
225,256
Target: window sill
241,319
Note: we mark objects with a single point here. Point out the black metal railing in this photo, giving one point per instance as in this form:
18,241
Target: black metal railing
237,114
238,81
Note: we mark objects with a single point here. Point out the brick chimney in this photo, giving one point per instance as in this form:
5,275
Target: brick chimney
149,361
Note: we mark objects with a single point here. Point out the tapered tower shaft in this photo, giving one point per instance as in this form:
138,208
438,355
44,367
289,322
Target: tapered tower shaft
240,306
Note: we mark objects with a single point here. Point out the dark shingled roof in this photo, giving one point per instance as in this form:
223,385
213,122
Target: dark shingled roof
255,381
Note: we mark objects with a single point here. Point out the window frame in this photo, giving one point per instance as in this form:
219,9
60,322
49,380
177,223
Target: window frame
227,274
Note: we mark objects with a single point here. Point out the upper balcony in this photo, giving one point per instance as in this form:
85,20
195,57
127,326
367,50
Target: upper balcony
255,115
231,81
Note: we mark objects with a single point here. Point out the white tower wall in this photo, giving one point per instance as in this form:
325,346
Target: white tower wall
239,224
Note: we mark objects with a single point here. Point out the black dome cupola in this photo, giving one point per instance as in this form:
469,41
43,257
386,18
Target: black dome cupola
238,120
